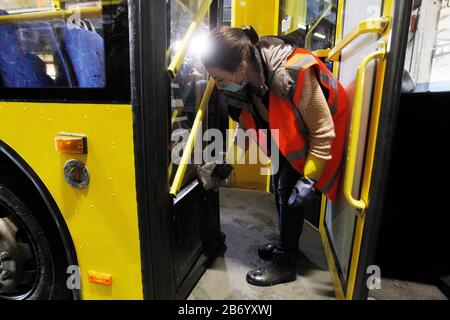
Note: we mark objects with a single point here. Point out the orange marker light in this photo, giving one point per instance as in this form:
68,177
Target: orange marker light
104,279
70,143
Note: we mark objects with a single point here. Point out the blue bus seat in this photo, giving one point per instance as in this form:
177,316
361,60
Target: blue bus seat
18,68
85,51
39,37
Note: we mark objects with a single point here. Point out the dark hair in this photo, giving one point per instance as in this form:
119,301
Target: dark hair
229,47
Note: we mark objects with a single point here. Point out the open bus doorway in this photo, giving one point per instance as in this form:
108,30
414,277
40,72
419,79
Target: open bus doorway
248,216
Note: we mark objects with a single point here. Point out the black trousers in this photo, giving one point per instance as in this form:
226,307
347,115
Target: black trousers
290,220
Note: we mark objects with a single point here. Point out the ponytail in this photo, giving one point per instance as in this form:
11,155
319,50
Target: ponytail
251,34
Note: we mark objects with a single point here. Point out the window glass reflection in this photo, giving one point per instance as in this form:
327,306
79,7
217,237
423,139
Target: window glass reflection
189,85
427,61
86,47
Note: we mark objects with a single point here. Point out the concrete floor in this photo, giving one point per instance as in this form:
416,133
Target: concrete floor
392,289
248,220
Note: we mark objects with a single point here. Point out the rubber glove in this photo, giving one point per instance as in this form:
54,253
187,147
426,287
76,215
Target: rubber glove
212,174
301,193
314,167
304,188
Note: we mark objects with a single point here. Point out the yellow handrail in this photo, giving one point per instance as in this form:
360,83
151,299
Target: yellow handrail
56,14
111,2
181,53
181,170
313,28
377,25
355,126
323,53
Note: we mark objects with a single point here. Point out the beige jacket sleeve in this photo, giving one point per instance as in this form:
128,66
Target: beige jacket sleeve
316,114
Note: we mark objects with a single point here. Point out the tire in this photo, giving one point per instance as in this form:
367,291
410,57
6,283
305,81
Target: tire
32,273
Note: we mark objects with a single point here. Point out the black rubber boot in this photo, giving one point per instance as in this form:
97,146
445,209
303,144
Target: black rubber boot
265,252
280,270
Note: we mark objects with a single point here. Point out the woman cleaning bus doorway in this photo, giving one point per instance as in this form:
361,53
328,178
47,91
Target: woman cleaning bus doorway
270,84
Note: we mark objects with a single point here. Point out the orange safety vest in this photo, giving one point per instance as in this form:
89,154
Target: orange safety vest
284,116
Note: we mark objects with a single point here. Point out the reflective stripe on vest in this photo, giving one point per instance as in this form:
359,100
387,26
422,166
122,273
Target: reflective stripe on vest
294,156
299,62
332,83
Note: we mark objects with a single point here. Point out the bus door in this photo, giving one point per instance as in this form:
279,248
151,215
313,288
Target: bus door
368,56
194,211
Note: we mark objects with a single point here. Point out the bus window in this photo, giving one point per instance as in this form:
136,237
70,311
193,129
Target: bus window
312,22
427,61
190,82
83,44
226,12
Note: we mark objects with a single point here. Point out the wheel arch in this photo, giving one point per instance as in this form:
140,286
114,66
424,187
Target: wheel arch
13,165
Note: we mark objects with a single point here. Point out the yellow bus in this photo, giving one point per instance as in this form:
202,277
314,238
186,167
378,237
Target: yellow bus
91,91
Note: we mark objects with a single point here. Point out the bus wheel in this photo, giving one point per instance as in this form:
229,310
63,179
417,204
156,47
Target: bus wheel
26,260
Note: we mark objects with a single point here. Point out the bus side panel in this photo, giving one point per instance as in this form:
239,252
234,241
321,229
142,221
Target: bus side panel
102,218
